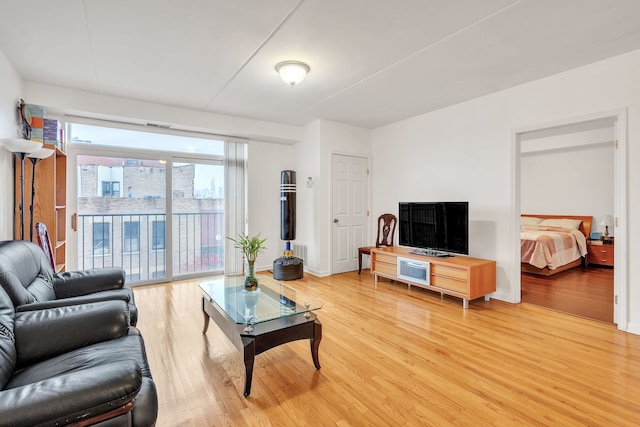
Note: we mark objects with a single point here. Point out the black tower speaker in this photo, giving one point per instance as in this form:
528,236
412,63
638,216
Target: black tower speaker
288,205
288,267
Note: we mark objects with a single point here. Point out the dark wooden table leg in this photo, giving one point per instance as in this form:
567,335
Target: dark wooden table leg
359,262
206,317
249,357
315,342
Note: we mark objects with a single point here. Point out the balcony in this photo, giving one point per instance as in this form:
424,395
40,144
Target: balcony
137,243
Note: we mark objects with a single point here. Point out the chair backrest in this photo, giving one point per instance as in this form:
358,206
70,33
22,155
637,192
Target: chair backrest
386,229
25,273
45,243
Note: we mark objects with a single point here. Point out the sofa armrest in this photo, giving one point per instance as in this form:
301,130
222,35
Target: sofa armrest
71,397
82,299
75,283
41,334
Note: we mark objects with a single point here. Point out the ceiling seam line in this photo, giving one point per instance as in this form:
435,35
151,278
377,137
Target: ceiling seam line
91,47
255,52
422,49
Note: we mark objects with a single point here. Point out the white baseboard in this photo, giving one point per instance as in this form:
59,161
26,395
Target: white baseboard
318,273
501,296
633,328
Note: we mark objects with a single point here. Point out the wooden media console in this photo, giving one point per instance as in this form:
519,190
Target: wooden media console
459,276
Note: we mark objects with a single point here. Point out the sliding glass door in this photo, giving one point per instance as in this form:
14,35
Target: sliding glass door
121,215
142,205
198,217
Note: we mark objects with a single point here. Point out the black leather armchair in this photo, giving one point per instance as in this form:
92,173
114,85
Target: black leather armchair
74,364
27,277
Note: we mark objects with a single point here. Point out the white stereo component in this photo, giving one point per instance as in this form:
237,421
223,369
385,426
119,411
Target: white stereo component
414,271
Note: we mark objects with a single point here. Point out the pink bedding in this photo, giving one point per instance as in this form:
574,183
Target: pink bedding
551,247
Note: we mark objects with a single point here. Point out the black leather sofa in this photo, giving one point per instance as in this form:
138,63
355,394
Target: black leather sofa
31,283
77,364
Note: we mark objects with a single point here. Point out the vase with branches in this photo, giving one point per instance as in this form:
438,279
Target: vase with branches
250,248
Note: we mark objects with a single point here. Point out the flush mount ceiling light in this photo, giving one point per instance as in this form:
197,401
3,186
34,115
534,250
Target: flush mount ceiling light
292,72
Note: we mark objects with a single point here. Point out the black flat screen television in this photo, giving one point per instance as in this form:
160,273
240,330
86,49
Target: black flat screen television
441,226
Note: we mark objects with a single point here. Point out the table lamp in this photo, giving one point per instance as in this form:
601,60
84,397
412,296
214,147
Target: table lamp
21,147
605,222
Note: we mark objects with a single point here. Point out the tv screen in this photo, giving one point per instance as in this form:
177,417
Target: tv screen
441,226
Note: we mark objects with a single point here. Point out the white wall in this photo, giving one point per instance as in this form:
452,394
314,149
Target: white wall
66,101
312,157
10,91
550,181
466,152
266,161
306,158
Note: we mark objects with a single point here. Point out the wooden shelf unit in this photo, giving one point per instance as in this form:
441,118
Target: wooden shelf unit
50,202
459,276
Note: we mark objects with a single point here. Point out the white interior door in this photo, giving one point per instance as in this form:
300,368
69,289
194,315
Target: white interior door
349,192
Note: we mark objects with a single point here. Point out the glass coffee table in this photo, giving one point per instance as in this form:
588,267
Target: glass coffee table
256,321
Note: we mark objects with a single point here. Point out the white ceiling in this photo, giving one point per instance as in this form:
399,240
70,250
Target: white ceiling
372,62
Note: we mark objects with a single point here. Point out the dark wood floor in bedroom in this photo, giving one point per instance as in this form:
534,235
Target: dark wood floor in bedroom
582,291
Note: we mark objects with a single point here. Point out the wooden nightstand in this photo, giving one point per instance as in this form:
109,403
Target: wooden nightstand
600,254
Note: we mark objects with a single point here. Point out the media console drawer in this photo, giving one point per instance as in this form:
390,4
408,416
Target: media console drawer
389,269
459,276
389,259
443,270
456,285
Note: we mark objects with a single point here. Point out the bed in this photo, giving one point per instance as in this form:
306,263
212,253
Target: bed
550,244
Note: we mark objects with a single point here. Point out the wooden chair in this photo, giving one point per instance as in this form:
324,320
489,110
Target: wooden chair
386,231
45,243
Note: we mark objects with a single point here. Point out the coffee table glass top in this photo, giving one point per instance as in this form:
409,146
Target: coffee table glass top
272,300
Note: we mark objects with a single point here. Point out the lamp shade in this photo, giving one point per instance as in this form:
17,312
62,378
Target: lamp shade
292,72
16,145
606,221
605,224
42,153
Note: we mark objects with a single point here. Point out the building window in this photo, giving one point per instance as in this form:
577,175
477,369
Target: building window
157,235
110,189
101,242
131,236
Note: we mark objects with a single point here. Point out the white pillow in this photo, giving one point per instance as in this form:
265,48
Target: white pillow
529,221
563,222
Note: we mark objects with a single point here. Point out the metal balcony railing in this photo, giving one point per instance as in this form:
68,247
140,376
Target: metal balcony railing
137,243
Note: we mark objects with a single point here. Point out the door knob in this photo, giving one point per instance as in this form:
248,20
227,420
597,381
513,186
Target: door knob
335,220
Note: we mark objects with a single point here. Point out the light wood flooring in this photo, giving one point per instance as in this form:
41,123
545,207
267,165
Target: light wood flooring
581,291
396,357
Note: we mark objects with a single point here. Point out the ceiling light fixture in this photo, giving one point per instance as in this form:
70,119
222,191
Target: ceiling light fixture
292,72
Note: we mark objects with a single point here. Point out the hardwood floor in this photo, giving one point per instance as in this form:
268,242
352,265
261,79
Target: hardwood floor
581,291
392,356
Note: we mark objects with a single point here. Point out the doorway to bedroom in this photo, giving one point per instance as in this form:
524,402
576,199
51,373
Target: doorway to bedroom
571,170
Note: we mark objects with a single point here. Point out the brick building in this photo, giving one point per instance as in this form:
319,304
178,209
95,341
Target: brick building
122,218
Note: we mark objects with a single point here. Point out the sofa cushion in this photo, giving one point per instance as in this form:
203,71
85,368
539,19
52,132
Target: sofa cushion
74,326
73,397
129,348
25,273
